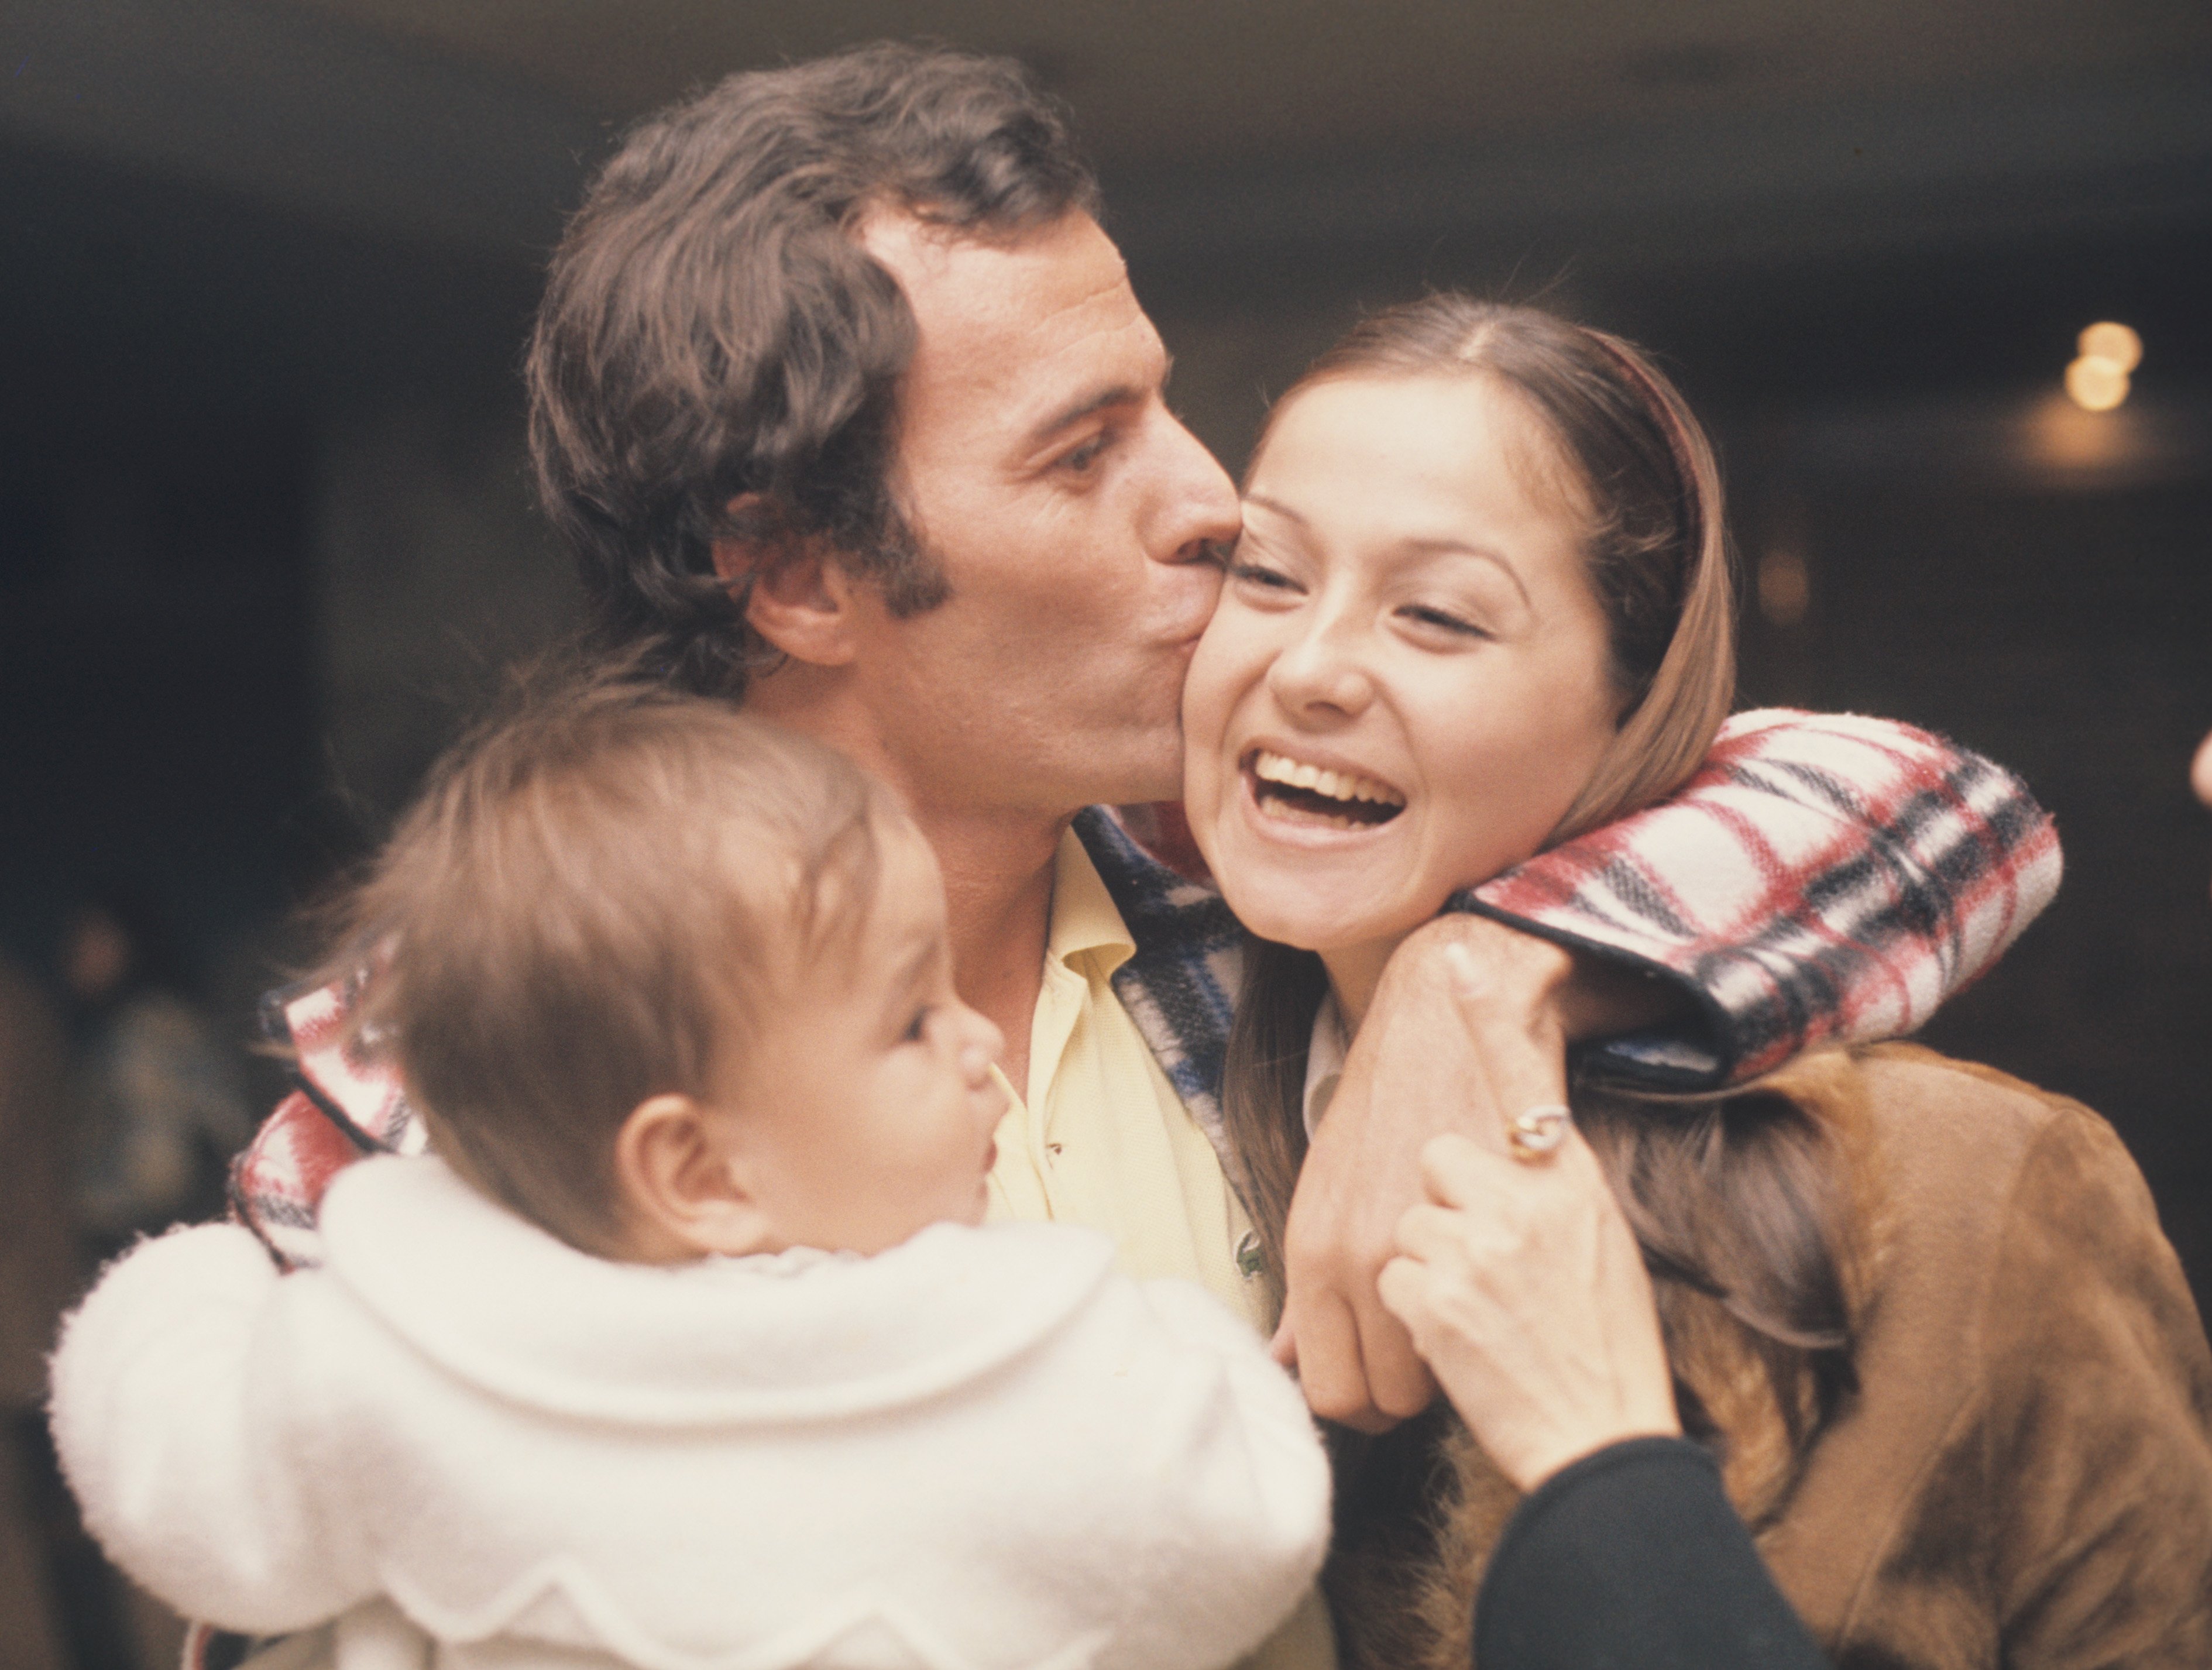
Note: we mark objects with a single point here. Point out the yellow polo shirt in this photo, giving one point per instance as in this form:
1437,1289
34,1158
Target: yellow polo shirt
1101,1138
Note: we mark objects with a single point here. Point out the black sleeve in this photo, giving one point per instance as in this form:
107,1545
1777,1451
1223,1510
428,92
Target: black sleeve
1632,1557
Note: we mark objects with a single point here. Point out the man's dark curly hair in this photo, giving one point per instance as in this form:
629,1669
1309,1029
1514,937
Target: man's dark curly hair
711,328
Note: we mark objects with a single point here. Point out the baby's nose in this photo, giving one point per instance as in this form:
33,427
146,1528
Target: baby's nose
980,1048
975,1063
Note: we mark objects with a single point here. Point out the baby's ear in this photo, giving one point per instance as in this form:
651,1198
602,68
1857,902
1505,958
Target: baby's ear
683,1189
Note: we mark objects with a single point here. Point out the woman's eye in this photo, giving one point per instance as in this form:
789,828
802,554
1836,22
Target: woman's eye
1253,574
1444,620
917,1027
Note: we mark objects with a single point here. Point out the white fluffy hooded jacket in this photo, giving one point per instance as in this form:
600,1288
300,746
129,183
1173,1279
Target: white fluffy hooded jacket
982,1449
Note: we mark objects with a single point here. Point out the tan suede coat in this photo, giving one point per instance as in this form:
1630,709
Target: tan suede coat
2023,1478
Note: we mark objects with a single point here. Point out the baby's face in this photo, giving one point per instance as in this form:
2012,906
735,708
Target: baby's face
866,1101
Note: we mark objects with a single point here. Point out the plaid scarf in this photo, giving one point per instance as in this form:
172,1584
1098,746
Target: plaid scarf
1822,878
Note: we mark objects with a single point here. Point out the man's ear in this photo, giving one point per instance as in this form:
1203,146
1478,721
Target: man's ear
684,1187
801,598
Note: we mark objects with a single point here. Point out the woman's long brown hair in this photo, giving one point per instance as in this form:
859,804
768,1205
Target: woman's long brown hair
1740,1202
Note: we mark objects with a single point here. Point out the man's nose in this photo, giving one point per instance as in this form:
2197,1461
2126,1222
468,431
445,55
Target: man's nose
1203,512
2200,773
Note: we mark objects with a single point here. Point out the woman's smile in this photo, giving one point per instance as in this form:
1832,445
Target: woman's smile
1289,790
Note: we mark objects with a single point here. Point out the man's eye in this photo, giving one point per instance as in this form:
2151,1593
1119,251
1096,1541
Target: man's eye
917,1027
1087,454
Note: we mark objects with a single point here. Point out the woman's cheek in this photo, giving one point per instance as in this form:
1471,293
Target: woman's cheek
1208,694
1211,693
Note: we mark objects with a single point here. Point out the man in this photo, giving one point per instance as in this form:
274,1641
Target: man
842,398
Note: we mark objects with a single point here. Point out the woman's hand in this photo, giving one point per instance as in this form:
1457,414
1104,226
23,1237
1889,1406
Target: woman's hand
1523,1290
1415,1072
1522,1284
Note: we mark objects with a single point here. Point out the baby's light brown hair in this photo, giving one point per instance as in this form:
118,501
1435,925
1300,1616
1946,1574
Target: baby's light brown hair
595,898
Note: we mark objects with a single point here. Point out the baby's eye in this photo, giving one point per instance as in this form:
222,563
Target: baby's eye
917,1026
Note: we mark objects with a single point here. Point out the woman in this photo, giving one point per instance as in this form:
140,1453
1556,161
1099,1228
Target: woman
1922,1315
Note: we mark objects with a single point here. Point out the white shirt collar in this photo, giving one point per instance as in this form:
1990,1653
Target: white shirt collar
1325,1052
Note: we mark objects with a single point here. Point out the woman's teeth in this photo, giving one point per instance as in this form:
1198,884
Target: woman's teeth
1315,794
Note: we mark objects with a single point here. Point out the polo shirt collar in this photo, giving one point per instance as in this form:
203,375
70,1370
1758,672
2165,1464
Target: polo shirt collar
1084,916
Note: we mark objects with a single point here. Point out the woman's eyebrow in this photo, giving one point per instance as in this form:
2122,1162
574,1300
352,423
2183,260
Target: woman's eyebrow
1424,547
1276,505
1487,553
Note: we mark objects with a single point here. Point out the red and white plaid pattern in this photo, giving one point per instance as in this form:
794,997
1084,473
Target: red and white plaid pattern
344,1108
1823,877
363,1094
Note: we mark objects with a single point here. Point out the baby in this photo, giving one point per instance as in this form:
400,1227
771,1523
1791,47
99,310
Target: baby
683,1347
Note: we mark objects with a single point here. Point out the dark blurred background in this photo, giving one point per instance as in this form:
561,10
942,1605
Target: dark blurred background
265,266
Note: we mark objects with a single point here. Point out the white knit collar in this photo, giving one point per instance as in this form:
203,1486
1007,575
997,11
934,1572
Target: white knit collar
504,1305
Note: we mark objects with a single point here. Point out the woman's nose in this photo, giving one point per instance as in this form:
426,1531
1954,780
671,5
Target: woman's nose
1322,670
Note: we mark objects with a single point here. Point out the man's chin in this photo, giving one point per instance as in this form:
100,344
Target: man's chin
1148,775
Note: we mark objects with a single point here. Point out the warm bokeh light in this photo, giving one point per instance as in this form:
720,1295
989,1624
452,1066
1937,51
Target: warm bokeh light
1785,587
2060,437
2113,343
2096,384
